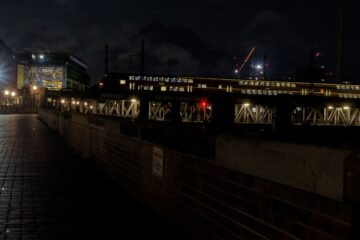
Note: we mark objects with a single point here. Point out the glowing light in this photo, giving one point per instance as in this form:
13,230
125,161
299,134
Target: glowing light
203,104
34,88
13,94
91,107
77,103
236,71
62,101
330,107
85,103
41,56
33,56
6,92
346,107
133,100
246,104
258,66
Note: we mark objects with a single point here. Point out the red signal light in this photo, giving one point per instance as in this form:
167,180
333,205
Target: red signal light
203,104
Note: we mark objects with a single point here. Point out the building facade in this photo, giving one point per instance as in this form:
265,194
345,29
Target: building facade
51,70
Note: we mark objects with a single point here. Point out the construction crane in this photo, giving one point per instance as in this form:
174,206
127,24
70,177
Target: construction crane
238,71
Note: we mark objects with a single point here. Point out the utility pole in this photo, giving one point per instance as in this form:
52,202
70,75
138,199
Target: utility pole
106,59
264,68
340,41
142,55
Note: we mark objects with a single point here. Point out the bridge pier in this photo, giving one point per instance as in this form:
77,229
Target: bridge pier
223,112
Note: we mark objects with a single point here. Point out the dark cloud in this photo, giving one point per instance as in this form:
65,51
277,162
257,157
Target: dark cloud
189,37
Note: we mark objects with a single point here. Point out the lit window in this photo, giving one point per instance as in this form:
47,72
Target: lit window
163,88
122,82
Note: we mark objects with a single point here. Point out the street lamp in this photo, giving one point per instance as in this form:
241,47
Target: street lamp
34,92
6,92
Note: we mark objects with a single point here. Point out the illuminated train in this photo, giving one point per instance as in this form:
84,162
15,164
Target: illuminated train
153,83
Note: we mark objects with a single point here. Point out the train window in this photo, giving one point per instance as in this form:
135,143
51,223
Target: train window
357,88
173,80
262,83
267,84
181,89
256,83
167,79
270,92
151,88
347,87
293,85
175,89
179,80
259,92
190,80
288,84
185,80
220,86
283,84
122,82
137,78
163,88
245,83
251,83
253,91
248,91
241,83
131,78
161,79
243,91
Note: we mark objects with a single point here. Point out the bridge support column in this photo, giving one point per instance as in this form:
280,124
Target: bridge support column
283,115
144,109
175,112
223,112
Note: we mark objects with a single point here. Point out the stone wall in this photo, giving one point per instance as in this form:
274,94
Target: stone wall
208,200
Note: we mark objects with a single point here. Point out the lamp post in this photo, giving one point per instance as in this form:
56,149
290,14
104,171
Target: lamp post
13,95
34,92
6,92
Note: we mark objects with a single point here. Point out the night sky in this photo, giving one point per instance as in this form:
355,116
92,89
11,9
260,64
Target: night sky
197,37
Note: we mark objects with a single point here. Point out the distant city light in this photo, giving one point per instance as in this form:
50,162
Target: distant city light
236,71
346,107
133,100
246,104
258,66
33,56
34,88
6,92
13,94
41,56
330,107
62,101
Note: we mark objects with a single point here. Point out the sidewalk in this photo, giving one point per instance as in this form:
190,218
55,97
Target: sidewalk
47,192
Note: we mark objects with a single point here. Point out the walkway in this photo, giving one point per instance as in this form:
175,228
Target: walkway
47,192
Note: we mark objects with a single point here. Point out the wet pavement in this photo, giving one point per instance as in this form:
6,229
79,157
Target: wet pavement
48,192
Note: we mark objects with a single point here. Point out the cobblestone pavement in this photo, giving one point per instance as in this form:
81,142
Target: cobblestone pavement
47,192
